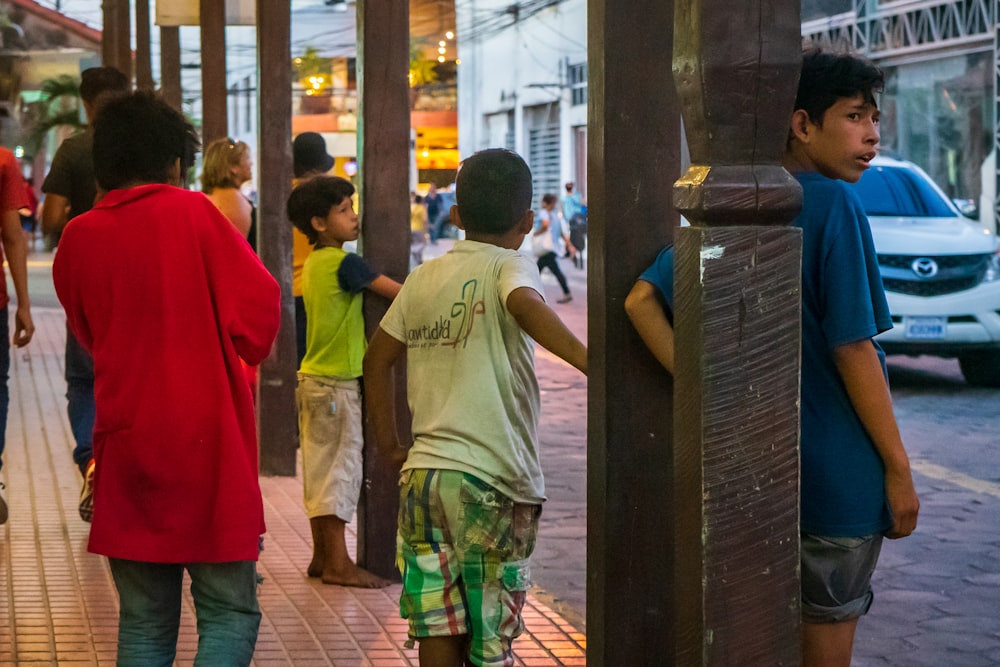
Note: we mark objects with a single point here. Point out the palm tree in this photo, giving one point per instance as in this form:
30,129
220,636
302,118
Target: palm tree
58,107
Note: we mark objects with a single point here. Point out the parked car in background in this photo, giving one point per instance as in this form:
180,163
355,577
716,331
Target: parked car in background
941,271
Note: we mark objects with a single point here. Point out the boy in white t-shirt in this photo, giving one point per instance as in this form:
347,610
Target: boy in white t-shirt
471,487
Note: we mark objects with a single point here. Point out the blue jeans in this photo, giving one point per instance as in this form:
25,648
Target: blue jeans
225,601
4,375
80,400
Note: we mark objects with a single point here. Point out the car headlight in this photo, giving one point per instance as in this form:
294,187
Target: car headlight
993,266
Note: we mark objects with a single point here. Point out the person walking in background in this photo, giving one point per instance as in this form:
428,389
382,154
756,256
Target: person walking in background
168,297
471,488
328,393
435,212
575,218
226,166
418,230
70,190
13,248
28,214
543,245
309,159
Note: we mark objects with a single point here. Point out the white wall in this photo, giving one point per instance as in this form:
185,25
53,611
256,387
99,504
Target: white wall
502,64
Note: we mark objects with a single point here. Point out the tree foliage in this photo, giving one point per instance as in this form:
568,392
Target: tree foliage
59,107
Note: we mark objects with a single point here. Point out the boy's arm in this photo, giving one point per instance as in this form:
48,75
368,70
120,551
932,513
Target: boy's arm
859,368
385,286
644,308
541,323
16,248
380,394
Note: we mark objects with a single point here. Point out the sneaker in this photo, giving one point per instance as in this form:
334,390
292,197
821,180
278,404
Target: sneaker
3,506
566,299
87,493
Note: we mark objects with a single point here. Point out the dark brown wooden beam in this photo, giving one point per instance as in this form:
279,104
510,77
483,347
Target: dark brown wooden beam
633,156
383,177
737,318
214,91
116,50
170,65
143,62
276,412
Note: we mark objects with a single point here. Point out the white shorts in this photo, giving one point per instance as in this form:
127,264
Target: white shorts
331,438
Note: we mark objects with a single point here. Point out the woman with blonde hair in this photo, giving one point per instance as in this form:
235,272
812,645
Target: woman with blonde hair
225,167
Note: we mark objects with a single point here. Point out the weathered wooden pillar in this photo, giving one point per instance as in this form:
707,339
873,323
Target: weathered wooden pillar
116,36
383,178
143,62
384,170
170,65
276,412
214,91
737,315
633,157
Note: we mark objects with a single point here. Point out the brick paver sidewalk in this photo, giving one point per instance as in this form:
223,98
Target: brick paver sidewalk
58,603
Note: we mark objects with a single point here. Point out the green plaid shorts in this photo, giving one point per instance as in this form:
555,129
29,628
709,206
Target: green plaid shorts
463,549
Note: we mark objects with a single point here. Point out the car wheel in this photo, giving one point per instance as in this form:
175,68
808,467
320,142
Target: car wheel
981,368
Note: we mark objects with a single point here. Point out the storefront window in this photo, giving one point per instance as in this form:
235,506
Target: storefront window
939,115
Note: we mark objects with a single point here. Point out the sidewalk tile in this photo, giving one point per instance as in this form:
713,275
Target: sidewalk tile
58,602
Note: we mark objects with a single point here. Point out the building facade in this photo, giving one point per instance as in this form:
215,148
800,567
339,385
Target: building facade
939,105
522,78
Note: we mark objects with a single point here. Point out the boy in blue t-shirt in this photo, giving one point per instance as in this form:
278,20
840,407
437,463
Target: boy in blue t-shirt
856,485
328,393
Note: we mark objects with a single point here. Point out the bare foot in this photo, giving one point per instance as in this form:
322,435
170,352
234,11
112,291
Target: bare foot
355,577
315,568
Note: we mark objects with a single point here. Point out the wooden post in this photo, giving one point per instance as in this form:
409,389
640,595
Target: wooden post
143,63
116,50
738,323
276,412
384,141
170,65
214,91
633,156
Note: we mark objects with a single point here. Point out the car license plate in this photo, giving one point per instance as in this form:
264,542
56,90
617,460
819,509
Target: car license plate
926,328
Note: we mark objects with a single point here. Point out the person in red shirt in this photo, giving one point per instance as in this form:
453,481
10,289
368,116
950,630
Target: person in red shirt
168,297
12,198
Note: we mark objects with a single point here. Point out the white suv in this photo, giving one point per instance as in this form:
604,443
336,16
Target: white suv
941,271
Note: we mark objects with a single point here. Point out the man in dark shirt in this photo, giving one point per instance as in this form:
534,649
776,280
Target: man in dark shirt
70,189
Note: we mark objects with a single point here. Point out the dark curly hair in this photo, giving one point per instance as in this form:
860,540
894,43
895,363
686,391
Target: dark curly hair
314,199
827,77
137,139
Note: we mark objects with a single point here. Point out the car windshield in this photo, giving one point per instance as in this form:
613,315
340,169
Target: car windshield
897,191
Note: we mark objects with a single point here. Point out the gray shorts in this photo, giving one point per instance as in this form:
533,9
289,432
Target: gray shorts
836,577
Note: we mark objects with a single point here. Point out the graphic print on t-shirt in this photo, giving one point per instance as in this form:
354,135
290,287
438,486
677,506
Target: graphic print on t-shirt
439,332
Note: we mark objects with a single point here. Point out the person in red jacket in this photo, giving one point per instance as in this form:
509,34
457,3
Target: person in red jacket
168,297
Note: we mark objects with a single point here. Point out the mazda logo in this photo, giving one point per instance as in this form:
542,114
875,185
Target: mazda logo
924,267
